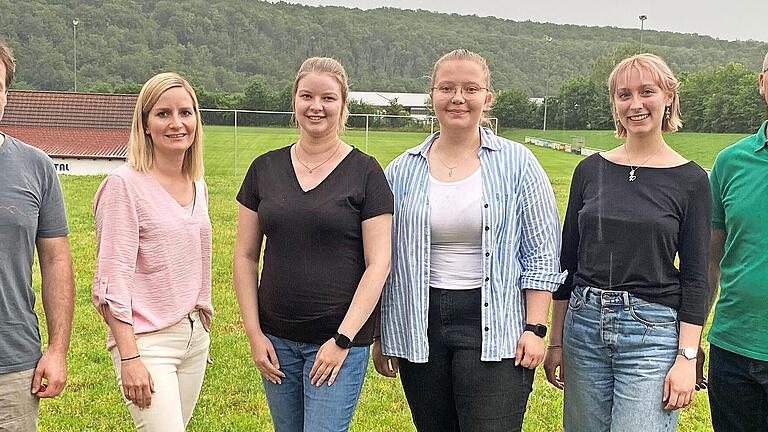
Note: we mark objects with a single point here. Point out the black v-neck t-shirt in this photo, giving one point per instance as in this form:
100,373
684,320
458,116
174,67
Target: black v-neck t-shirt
625,236
313,256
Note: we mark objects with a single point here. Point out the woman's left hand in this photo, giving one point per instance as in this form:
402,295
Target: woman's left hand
679,384
530,350
328,361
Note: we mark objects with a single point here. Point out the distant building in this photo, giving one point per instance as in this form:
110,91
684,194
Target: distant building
84,133
417,104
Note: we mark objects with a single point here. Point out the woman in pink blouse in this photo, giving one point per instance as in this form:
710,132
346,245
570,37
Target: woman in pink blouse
153,269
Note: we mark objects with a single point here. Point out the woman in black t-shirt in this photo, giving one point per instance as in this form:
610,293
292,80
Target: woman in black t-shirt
325,209
627,321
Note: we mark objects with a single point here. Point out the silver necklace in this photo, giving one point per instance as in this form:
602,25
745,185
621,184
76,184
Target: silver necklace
298,159
450,168
633,168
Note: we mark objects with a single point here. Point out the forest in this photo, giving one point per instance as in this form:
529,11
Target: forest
243,54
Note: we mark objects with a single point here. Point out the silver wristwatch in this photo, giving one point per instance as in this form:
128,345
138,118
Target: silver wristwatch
687,352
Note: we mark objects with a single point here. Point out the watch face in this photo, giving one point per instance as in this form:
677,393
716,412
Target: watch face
688,353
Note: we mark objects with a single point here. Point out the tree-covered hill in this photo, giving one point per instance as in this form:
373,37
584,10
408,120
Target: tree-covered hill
222,44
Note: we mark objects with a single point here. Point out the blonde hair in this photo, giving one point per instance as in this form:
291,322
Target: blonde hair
765,63
7,60
661,75
333,68
141,153
462,54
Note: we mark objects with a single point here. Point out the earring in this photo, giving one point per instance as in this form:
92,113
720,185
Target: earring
667,113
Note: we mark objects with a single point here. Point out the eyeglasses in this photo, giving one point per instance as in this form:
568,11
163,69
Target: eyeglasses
466,89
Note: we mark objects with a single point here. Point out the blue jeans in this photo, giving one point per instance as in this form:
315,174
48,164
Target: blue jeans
617,350
296,405
738,392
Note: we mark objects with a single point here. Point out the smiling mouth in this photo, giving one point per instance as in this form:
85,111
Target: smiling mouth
181,135
311,117
638,117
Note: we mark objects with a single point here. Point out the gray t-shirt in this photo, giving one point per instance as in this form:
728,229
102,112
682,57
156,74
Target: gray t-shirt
31,207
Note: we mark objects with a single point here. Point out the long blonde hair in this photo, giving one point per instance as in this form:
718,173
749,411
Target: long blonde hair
141,153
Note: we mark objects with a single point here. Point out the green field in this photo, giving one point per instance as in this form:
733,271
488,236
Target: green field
232,398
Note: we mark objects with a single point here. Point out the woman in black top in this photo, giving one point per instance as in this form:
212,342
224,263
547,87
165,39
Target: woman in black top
325,209
627,321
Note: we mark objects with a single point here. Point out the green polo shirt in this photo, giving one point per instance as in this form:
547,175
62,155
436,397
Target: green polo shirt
739,182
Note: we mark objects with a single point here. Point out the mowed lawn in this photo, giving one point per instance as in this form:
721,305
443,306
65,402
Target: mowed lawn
232,398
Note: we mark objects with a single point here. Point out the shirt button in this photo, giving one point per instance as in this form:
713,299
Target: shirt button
485,205
487,278
486,305
487,254
486,329
487,228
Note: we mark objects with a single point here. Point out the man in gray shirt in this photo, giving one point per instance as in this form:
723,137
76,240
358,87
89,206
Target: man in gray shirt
31,215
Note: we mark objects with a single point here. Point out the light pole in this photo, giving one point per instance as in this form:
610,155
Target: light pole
546,91
75,22
642,26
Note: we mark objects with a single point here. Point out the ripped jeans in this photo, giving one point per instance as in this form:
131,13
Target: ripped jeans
617,350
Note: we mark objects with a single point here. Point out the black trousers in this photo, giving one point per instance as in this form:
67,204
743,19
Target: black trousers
454,390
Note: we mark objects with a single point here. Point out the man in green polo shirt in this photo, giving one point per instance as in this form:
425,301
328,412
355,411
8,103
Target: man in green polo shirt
738,362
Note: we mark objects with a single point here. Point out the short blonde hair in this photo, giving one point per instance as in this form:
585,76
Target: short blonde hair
333,68
9,62
662,76
141,154
462,54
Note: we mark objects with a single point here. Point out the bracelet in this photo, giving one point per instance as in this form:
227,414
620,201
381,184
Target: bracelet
130,358
554,346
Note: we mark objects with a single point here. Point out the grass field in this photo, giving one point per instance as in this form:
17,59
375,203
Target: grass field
232,398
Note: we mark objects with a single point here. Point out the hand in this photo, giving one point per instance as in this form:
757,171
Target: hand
530,350
52,368
388,366
553,366
265,358
701,380
328,361
679,384
137,383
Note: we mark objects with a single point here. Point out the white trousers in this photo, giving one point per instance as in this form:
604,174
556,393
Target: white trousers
175,358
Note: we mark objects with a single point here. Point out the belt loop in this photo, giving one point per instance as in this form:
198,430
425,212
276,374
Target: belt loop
625,297
585,294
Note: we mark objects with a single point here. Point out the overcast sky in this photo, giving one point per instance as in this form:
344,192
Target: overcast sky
731,19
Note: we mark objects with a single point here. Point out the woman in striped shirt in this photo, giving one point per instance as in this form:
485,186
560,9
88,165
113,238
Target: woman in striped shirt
475,258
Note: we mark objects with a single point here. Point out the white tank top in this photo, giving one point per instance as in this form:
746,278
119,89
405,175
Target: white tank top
456,224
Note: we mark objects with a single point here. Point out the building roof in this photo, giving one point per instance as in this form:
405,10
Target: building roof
66,124
73,142
408,100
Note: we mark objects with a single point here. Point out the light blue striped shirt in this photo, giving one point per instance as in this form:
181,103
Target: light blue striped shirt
521,247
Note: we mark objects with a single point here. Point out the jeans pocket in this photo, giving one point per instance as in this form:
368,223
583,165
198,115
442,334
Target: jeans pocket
652,314
576,301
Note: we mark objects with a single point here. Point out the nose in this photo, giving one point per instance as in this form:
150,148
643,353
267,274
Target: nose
317,104
636,102
458,95
175,121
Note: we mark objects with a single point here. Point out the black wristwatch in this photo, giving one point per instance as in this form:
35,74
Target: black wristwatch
342,341
539,330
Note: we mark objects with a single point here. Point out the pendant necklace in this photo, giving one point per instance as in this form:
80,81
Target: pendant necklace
450,168
633,168
296,152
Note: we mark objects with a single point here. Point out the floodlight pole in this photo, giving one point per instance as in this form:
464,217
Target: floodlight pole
546,91
642,27
75,22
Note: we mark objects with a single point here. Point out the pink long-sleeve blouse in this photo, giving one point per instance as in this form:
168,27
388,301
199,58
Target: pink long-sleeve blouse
153,263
